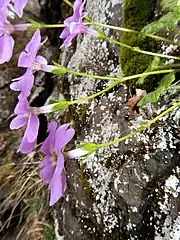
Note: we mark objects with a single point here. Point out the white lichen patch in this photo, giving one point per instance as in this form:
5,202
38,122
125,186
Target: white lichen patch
171,228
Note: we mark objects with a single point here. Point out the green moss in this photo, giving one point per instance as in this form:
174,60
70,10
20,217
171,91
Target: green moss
49,233
137,14
36,205
87,188
79,114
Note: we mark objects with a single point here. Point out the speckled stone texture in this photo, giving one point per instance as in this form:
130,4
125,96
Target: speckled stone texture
119,192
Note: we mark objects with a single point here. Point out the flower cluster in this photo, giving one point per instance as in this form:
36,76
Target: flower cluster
7,29
52,166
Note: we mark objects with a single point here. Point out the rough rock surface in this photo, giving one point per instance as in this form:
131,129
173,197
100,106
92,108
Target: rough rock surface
121,192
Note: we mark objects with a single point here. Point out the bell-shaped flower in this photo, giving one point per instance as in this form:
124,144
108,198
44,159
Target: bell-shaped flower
26,117
74,25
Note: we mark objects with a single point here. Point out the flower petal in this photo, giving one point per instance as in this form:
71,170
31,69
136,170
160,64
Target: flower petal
70,20
49,144
57,186
46,161
60,162
47,172
4,3
75,28
41,60
19,6
32,128
6,48
25,60
23,83
25,146
18,122
65,33
78,8
68,41
34,45
15,86
90,31
63,136
22,107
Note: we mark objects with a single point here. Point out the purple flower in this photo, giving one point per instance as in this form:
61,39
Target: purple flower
52,166
18,5
28,58
23,83
6,41
26,117
74,24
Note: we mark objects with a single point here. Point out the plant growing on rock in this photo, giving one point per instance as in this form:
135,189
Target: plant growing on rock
52,166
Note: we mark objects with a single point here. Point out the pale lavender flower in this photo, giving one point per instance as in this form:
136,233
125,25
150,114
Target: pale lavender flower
18,5
26,117
28,58
6,40
52,166
74,24
23,83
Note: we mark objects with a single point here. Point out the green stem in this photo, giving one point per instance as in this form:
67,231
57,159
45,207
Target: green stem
125,29
120,80
70,71
68,3
52,26
91,75
134,31
140,129
115,28
136,49
175,86
174,65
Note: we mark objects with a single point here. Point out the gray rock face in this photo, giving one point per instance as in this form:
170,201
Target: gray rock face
122,192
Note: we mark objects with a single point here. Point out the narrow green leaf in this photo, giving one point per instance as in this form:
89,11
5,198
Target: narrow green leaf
166,81
150,97
154,64
155,95
167,22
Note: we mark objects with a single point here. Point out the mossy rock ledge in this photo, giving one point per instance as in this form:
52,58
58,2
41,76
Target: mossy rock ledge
137,14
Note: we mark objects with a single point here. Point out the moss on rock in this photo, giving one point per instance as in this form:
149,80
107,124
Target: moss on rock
137,14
